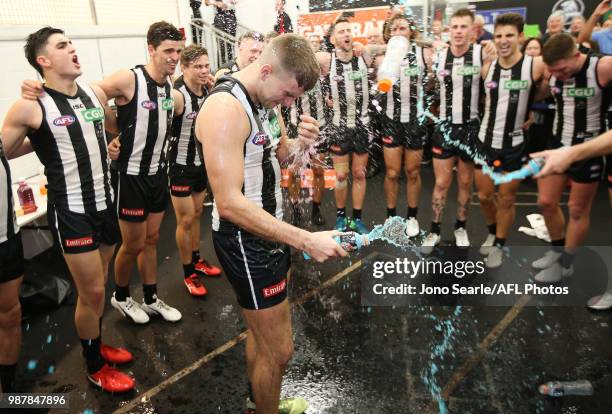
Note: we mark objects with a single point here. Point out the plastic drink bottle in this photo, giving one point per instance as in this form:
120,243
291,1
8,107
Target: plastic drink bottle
349,241
561,388
26,197
389,70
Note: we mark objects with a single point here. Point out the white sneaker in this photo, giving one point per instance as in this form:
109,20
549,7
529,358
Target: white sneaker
495,257
430,242
488,243
603,302
129,308
554,273
547,260
159,307
412,227
461,238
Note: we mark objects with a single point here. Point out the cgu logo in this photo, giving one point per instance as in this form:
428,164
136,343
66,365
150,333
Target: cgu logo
192,115
93,114
581,92
412,71
468,70
64,121
513,85
149,105
259,138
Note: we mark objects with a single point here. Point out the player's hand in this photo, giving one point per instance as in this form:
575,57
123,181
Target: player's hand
557,161
114,148
602,8
489,50
32,89
321,246
358,48
209,82
308,130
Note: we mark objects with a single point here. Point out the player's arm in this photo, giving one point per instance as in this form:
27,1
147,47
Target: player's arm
110,119
179,103
22,117
489,52
587,29
541,77
220,73
307,134
604,71
120,86
223,147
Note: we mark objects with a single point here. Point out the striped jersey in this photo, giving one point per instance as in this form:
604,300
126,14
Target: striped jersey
581,103
405,102
8,221
183,149
312,104
262,173
508,96
231,66
350,92
459,80
145,125
71,144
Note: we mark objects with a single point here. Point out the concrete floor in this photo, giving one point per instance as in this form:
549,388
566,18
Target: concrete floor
348,358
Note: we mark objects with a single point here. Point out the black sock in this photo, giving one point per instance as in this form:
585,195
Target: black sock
412,212
7,377
492,228
340,212
566,259
122,292
356,214
315,207
188,270
435,228
91,352
499,242
391,212
460,224
149,291
557,245
195,256
251,396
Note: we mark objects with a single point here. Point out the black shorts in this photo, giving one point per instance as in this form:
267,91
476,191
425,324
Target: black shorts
505,160
11,259
139,195
412,135
464,137
82,232
185,180
344,140
583,172
256,268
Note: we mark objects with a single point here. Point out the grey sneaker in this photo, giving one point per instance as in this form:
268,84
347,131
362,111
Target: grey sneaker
431,241
547,260
488,243
461,238
554,273
159,307
495,257
130,309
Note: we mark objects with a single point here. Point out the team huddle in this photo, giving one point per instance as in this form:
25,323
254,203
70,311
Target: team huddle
110,174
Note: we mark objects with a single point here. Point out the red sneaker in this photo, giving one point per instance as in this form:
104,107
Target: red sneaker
194,286
115,355
111,379
203,266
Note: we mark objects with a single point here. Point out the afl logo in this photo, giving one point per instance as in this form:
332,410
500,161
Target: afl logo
192,115
149,105
338,78
445,72
64,121
491,84
555,90
259,138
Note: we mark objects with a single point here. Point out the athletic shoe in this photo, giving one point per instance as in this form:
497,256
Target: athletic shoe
495,257
111,379
431,241
341,223
115,355
129,308
554,273
287,406
412,227
206,268
194,286
159,307
603,302
317,218
358,226
461,238
547,260
488,243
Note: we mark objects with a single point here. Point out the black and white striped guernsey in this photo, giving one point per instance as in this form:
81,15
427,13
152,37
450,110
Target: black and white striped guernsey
582,104
183,150
459,80
8,221
508,96
71,144
405,103
350,92
312,104
262,171
145,125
